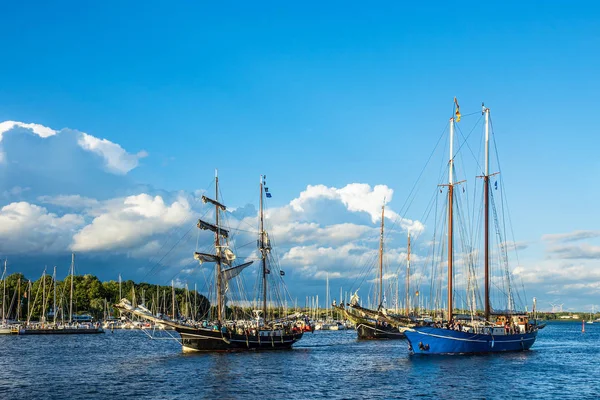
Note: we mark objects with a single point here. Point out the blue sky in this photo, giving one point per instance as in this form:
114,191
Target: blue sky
309,94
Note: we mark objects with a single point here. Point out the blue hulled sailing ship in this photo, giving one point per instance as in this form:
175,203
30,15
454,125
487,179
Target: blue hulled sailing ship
495,331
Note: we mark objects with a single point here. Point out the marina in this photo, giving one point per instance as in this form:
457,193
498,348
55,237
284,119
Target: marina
325,364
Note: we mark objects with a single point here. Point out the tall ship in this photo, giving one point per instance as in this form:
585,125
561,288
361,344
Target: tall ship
472,331
377,323
226,330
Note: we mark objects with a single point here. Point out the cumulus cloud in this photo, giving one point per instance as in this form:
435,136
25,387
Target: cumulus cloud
40,130
117,160
130,223
28,228
357,197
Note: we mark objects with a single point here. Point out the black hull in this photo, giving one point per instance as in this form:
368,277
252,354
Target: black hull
66,331
371,332
201,339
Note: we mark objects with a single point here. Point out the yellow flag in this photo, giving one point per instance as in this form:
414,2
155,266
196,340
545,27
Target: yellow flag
457,110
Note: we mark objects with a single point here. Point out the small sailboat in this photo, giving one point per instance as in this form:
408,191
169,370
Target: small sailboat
225,332
591,320
5,327
494,331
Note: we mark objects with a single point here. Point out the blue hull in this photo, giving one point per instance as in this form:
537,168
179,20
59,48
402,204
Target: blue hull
429,340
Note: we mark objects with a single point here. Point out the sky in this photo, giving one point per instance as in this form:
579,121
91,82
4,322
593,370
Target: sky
113,118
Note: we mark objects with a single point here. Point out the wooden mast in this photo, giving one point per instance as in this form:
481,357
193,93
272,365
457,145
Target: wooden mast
450,222
218,249
408,277
263,250
486,202
381,259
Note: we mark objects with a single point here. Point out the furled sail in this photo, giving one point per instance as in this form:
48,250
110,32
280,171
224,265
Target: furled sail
211,201
204,257
226,257
208,226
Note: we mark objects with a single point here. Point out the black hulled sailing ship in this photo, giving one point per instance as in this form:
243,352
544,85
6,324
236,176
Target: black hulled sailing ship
379,323
224,333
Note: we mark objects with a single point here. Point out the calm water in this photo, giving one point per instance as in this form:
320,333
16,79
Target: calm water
564,363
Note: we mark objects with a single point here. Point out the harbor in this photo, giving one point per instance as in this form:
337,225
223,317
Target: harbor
325,364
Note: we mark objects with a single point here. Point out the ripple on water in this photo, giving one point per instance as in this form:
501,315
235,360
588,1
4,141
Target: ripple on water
564,363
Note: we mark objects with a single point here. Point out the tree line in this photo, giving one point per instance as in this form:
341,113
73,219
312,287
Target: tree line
30,300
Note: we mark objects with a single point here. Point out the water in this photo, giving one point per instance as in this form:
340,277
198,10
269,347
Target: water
564,363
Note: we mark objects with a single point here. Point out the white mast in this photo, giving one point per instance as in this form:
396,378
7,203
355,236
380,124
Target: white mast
71,299
408,277
450,172
54,303
4,291
327,299
44,296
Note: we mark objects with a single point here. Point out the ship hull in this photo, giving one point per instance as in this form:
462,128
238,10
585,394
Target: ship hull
429,340
201,339
367,331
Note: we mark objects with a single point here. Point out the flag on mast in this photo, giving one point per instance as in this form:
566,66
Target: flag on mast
457,110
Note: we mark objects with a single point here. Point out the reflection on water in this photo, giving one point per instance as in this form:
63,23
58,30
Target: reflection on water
564,363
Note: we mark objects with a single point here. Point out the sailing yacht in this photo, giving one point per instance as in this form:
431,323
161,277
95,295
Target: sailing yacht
375,324
224,333
5,327
499,331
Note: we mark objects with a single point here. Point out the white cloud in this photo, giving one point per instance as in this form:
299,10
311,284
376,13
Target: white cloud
40,130
26,227
130,222
357,197
117,160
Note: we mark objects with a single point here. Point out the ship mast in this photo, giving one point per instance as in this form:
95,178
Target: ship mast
263,250
486,202
381,259
71,297
450,221
408,277
4,291
54,302
217,247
